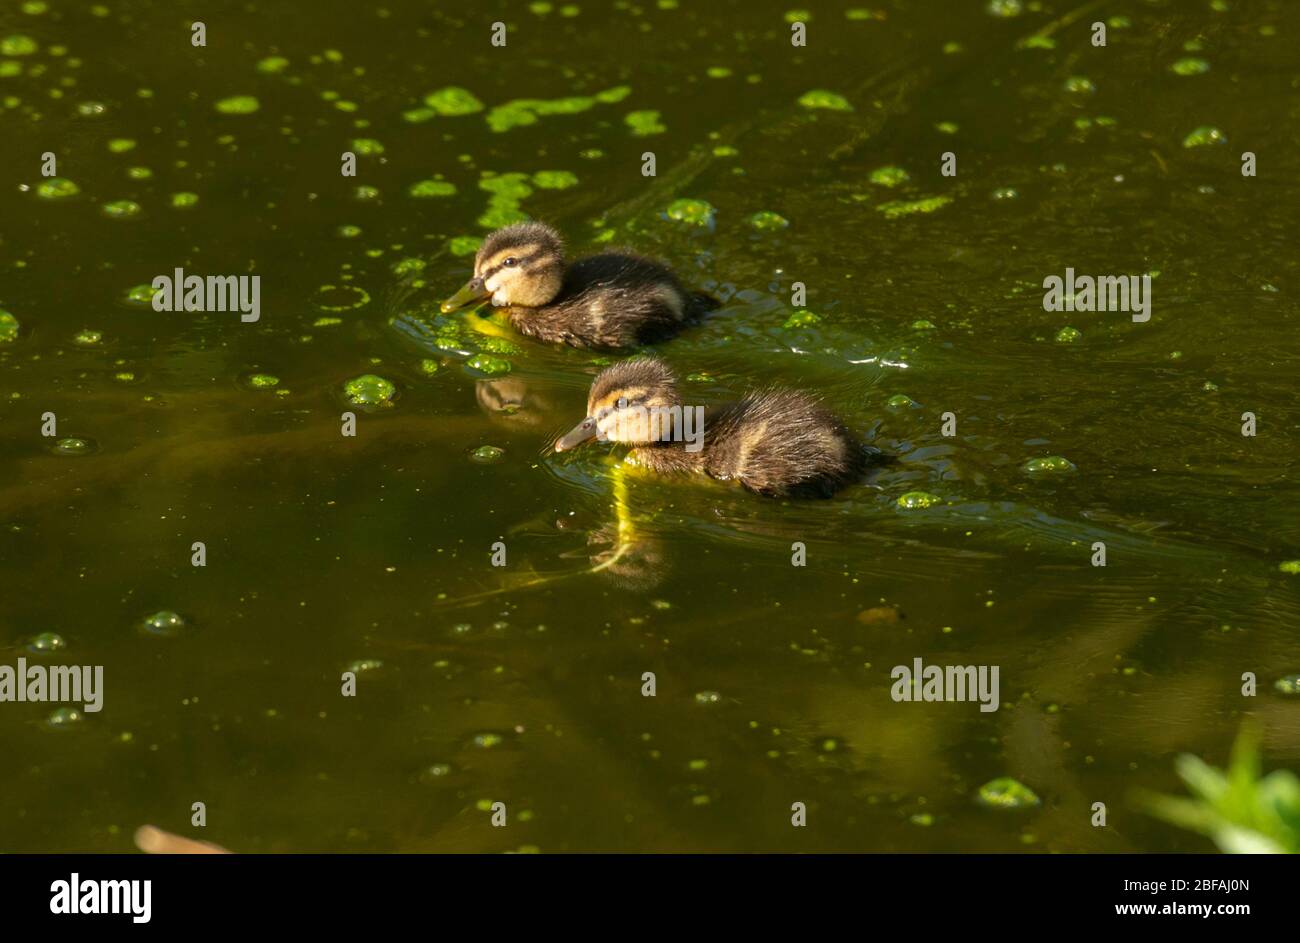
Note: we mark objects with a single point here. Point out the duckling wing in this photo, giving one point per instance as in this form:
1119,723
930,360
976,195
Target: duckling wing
624,300
781,442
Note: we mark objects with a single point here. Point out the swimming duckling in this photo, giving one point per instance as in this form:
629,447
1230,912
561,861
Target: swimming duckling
611,300
775,442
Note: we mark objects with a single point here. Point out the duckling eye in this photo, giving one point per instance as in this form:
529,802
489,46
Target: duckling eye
510,262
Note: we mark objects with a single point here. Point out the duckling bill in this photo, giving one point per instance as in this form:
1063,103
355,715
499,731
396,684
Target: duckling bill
612,300
775,442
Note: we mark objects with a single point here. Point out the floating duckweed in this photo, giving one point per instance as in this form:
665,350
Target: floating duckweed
1190,66
1048,465
419,115
644,123
1288,685
525,111
9,68
348,231
923,325
889,176
1037,42
431,188
453,101
8,327
139,173
121,145
801,318
56,188
717,72
63,717
261,381
272,65
1005,8
238,105
708,698
924,819
464,245
140,295
767,220
1005,193
326,322
331,297
35,7
91,109
489,364
918,499
820,98
1079,85
367,147
121,209
899,400
46,643
1289,566
1007,793
17,45
364,664
1205,136
369,390
947,127
498,345
898,208
87,338
73,447
488,741
554,179
408,266
365,192
183,201
1068,335
692,212
165,624
428,367
487,454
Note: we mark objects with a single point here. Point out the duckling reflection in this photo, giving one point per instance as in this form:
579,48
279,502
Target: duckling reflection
610,300
774,442
515,402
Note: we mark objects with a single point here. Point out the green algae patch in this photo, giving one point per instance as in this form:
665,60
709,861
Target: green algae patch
261,381
489,365
820,98
370,391
691,212
487,454
453,101
767,221
896,209
498,345
87,338
9,327
1069,335
336,298
525,111
644,123
272,65
238,105
1289,566
183,201
57,188
430,189
915,500
1288,685
1007,793
507,191
121,209
121,145
46,643
18,45
900,400
367,147
1190,66
1048,465
74,447
1079,85
889,176
1205,136
802,318
461,246
554,180
164,624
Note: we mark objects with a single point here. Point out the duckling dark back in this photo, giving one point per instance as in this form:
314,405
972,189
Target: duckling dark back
781,443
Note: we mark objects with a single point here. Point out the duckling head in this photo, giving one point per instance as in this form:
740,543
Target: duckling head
521,265
633,402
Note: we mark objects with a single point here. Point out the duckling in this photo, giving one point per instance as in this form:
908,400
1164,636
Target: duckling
775,442
611,300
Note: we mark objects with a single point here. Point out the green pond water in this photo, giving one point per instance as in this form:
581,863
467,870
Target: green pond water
523,684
